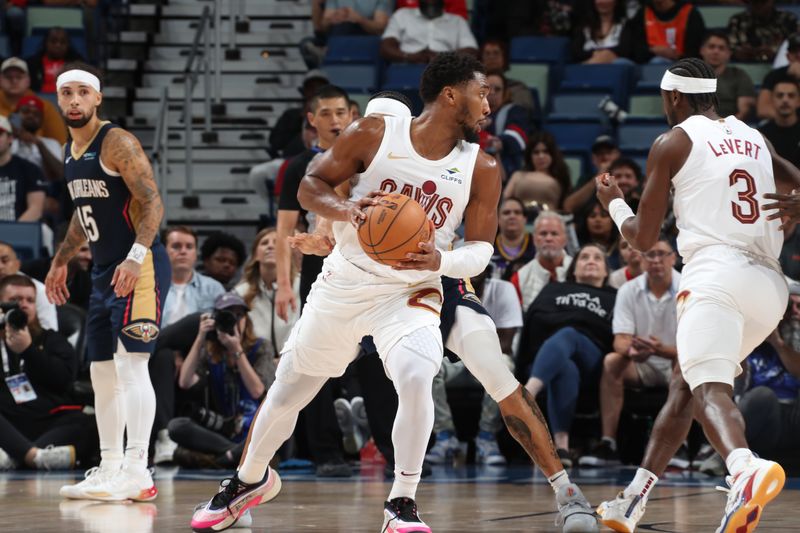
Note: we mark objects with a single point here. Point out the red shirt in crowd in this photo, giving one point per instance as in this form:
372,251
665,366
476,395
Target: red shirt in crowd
51,69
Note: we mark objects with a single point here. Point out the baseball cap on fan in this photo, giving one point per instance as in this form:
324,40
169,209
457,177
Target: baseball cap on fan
227,300
604,142
14,62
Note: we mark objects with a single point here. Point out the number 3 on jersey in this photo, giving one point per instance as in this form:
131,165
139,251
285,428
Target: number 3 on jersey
747,196
88,223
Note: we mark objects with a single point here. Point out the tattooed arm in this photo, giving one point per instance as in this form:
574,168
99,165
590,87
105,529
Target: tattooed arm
55,284
122,153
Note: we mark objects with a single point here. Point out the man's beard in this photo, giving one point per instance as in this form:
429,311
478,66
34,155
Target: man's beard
78,122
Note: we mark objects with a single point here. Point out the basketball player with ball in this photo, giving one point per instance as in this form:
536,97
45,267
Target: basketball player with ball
356,296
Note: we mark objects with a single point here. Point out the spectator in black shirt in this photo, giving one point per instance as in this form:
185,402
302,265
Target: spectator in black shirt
286,138
783,131
223,255
36,411
22,185
790,253
764,106
565,335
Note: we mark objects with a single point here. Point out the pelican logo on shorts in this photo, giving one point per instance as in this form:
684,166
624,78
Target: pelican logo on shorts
472,298
141,331
416,300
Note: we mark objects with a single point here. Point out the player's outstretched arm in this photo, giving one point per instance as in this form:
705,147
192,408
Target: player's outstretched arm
667,156
351,153
123,153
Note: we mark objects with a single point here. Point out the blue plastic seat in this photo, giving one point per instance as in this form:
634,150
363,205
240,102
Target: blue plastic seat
577,106
539,50
639,137
353,78
615,80
353,49
402,77
650,77
24,237
33,43
575,136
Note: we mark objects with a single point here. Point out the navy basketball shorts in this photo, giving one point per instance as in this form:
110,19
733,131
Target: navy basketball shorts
135,320
456,292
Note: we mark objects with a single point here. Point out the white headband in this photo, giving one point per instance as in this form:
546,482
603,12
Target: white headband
81,76
688,85
387,106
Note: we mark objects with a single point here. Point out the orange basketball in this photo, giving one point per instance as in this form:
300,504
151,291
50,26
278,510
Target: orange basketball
393,228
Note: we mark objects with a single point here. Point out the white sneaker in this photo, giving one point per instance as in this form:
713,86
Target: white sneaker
6,462
245,519
487,451
749,493
164,449
55,458
444,449
347,424
125,484
92,478
623,513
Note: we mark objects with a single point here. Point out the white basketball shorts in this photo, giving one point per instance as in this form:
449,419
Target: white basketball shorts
347,303
729,301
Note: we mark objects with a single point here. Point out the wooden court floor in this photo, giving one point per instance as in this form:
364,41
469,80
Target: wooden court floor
461,500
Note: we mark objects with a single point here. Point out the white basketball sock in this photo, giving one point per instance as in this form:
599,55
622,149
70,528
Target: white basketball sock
737,460
411,368
558,480
277,417
643,482
139,404
109,412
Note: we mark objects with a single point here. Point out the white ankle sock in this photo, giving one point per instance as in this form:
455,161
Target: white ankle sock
737,460
558,480
643,482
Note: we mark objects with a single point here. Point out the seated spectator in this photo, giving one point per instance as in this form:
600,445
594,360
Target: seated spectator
551,261
645,323
43,152
39,426
494,56
604,152
257,288
790,253
355,111
223,255
417,35
629,178
46,64
454,7
356,17
9,265
783,131
22,185
14,84
506,20
506,133
513,246
666,30
544,179
566,333
765,107
757,33
596,226
500,300
602,36
234,369
312,48
190,291
631,259
13,22
735,90
286,137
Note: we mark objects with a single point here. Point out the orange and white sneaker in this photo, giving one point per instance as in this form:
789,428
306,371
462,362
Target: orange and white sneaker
750,491
125,484
92,478
623,513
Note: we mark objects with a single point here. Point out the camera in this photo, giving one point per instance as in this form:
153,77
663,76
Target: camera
214,421
11,314
224,321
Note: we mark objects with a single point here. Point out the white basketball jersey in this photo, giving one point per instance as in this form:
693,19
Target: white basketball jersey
441,187
719,189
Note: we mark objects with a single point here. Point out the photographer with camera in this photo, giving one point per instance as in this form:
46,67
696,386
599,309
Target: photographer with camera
39,428
231,369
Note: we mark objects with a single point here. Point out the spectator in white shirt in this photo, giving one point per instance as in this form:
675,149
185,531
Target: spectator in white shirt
416,35
551,261
189,291
645,324
43,152
9,264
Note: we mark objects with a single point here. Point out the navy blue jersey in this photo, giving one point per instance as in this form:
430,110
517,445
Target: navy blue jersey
104,205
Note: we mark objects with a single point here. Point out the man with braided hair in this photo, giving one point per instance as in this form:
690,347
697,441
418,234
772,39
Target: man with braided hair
732,292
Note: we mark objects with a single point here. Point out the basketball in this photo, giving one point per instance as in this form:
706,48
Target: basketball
393,228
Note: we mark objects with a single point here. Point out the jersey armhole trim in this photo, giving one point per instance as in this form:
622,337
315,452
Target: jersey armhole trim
107,170
381,150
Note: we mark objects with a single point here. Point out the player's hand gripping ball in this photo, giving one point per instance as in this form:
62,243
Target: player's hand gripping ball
393,227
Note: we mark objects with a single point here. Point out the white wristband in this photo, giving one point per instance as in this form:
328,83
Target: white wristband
138,253
619,211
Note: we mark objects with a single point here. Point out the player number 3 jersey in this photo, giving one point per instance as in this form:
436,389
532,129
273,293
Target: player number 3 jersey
441,187
720,189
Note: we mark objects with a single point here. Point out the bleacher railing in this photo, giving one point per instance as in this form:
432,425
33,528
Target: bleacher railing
160,152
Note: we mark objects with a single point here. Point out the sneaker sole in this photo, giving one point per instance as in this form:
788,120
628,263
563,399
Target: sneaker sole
617,526
145,495
746,518
269,495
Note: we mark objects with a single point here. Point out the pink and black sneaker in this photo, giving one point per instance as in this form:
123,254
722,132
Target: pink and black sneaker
233,499
400,516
